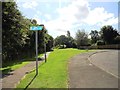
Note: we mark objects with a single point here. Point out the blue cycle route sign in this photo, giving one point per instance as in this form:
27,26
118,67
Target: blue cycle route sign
36,28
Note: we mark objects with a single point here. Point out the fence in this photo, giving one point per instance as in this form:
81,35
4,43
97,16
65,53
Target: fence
114,46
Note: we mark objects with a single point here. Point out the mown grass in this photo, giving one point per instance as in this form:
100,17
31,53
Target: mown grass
16,64
54,73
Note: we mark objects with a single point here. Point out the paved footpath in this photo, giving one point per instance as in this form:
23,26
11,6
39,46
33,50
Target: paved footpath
13,79
84,74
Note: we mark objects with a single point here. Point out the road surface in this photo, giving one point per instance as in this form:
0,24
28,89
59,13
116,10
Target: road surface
107,61
85,70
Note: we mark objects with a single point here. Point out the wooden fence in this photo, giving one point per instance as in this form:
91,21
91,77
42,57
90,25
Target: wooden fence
114,46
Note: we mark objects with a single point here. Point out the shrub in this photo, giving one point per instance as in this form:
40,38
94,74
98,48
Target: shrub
60,46
100,42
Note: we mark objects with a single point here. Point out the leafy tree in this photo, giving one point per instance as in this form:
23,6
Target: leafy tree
60,40
108,33
11,33
49,43
68,41
117,40
17,40
68,34
81,38
34,21
45,38
100,42
28,38
94,36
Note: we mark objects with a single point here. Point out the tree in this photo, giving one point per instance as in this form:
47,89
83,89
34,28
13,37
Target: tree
117,40
44,38
68,34
49,42
100,42
34,21
11,30
81,38
18,41
94,36
61,40
108,33
68,41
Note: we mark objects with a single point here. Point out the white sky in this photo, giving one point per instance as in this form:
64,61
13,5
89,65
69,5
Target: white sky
58,16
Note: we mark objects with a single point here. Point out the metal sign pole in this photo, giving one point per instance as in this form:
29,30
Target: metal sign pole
36,28
45,52
36,51
45,48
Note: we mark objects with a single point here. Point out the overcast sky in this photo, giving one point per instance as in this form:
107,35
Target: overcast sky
58,16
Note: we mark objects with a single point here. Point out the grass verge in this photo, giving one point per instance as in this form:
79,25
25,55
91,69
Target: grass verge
54,73
16,64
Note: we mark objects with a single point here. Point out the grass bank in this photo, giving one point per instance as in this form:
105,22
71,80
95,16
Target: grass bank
54,73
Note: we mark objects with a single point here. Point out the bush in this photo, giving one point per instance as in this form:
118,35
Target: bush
60,46
100,42
117,40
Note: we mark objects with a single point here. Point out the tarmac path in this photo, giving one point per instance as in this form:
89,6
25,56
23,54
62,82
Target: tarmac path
10,81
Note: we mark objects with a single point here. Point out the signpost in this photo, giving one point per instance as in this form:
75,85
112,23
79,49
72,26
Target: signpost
36,28
45,49
36,52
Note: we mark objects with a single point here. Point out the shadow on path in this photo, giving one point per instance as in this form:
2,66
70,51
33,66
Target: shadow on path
30,82
33,77
6,72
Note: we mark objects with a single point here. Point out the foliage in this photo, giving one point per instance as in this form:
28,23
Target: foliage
18,41
108,34
65,41
71,43
94,36
60,46
60,40
49,43
68,34
100,42
117,40
11,33
81,38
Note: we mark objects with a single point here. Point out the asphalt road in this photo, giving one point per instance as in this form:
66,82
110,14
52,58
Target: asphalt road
107,61
89,70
